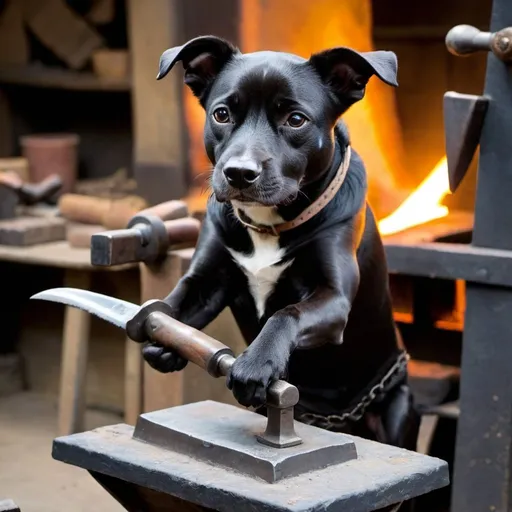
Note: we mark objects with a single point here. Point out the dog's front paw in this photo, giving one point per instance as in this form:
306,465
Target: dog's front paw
162,359
251,374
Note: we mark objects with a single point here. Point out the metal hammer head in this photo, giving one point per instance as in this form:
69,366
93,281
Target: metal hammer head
146,241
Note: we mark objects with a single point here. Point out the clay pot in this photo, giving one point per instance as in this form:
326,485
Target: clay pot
49,154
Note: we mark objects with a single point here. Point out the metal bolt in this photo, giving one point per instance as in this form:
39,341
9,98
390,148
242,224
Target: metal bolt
503,44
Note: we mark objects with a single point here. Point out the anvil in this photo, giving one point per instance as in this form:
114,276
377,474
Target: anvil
223,457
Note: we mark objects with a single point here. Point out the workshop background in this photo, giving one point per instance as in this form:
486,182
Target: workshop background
89,138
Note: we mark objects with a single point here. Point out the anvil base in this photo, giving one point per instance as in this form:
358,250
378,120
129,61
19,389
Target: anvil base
143,476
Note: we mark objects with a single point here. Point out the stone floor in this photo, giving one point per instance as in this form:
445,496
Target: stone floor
29,475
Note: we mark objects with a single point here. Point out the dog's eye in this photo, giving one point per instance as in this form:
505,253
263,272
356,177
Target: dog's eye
296,120
221,115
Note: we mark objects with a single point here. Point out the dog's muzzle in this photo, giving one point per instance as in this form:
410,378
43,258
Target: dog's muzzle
241,173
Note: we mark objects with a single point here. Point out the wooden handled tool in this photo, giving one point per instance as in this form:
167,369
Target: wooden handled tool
199,348
147,237
148,240
169,210
153,321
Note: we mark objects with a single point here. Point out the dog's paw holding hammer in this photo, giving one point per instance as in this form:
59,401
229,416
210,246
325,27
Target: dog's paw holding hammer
252,373
162,359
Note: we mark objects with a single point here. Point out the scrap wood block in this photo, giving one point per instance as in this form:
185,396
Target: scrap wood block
14,48
24,231
79,235
19,165
8,506
62,30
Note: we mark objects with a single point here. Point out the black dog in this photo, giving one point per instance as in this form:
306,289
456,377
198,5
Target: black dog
307,285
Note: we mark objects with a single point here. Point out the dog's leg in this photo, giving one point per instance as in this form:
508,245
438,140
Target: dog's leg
317,320
200,295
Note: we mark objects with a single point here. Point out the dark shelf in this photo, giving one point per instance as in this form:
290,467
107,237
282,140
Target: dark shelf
39,76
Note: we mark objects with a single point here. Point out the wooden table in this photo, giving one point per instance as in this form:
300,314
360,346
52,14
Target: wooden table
145,389
78,268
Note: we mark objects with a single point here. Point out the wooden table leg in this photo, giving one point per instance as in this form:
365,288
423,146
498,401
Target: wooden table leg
75,344
132,382
162,390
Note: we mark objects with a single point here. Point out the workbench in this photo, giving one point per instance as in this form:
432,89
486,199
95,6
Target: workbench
76,264
145,389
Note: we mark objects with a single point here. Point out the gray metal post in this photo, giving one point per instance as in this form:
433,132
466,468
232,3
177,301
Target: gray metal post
483,465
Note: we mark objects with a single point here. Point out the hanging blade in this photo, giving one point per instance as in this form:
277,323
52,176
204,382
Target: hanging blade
110,309
464,116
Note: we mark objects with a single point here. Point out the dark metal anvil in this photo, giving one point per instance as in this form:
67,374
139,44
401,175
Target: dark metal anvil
214,456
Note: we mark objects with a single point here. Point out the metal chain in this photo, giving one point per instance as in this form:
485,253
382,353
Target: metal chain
333,420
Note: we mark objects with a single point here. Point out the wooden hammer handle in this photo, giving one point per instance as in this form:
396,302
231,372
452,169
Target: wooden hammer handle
167,211
208,353
193,345
182,230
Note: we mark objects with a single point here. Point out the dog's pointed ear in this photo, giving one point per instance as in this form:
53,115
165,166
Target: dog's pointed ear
202,58
346,71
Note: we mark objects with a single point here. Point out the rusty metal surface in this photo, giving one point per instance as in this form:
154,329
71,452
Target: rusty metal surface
381,475
501,44
463,120
224,435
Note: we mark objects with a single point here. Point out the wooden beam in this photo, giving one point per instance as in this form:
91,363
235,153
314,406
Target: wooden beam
192,384
158,117
6,135
75,347
162,390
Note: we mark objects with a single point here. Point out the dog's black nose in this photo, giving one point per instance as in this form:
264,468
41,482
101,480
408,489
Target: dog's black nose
241,173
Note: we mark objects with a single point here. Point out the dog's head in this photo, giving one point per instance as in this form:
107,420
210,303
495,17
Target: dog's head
270,116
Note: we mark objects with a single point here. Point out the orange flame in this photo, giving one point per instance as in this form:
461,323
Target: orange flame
423,205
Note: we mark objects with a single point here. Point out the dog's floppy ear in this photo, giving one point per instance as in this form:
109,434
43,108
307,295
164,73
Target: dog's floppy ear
347,72
202,58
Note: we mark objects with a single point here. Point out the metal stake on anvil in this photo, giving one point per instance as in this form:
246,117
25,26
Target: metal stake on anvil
152,321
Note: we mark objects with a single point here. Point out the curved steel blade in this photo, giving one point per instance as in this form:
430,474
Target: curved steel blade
115,311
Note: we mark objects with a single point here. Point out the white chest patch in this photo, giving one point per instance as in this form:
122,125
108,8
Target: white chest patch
262,267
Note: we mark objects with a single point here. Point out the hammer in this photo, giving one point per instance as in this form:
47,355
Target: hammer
147,237
153,321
